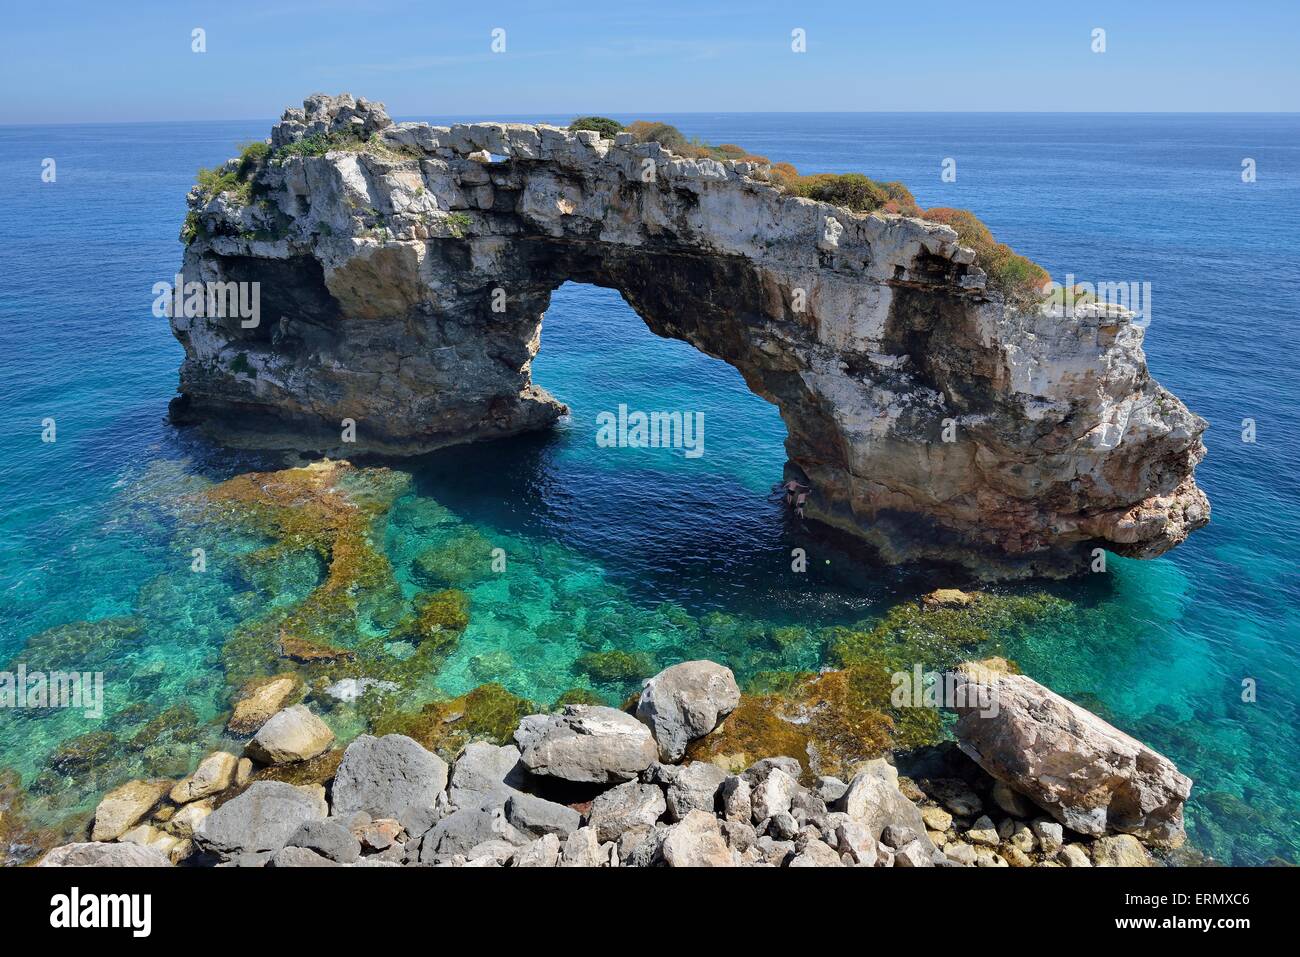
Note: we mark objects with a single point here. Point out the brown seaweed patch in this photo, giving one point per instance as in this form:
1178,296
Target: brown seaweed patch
465,557
835,720
832,722
330,509
307,652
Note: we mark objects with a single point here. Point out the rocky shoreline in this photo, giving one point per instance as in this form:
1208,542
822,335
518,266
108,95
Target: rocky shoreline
1038,781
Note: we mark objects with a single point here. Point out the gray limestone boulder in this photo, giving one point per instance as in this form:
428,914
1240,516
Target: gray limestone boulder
386,776
464,829
874,800
586,743
1086,773
624,808
258,822
686,702
483,769
694,787
104,854
538,817
328,838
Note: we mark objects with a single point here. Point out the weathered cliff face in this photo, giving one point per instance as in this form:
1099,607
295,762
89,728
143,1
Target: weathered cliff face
404,277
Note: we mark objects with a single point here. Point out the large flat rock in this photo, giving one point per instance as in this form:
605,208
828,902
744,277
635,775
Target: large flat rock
1086,773
586,743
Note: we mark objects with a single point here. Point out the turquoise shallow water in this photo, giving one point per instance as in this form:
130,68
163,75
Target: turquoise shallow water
647,550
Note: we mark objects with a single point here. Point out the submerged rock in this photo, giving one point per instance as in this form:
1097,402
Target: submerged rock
260,702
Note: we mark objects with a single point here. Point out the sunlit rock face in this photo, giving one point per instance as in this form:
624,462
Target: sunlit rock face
404,276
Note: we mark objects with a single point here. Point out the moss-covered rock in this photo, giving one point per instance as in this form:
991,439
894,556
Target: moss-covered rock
304,651
835,720
488,713
77,756
80,646
616,665
438,617
463,558
177,723
578,696
332,510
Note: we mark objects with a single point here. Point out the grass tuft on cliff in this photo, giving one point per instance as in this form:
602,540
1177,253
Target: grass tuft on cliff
234,176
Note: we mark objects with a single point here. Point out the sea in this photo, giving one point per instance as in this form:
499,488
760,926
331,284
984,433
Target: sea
1195,653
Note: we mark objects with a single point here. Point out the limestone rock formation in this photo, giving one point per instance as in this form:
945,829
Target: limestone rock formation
587,792
253,826
403,280
1087,774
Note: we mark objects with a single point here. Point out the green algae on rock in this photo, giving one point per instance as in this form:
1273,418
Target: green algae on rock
438,617
616,665
488,713
837,719
463,558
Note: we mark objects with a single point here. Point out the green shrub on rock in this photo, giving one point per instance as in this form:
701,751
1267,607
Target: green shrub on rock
601,124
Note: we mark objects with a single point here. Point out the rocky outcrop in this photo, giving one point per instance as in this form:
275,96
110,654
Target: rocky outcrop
253,826
1087,774
403,281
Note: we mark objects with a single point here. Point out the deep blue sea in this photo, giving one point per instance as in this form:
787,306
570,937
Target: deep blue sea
1162,648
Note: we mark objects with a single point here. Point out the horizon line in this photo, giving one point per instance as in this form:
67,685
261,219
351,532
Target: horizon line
489,116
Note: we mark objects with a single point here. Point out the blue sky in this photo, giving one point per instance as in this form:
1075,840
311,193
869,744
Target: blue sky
124,61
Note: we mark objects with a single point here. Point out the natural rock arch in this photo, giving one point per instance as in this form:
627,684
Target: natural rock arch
404,275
